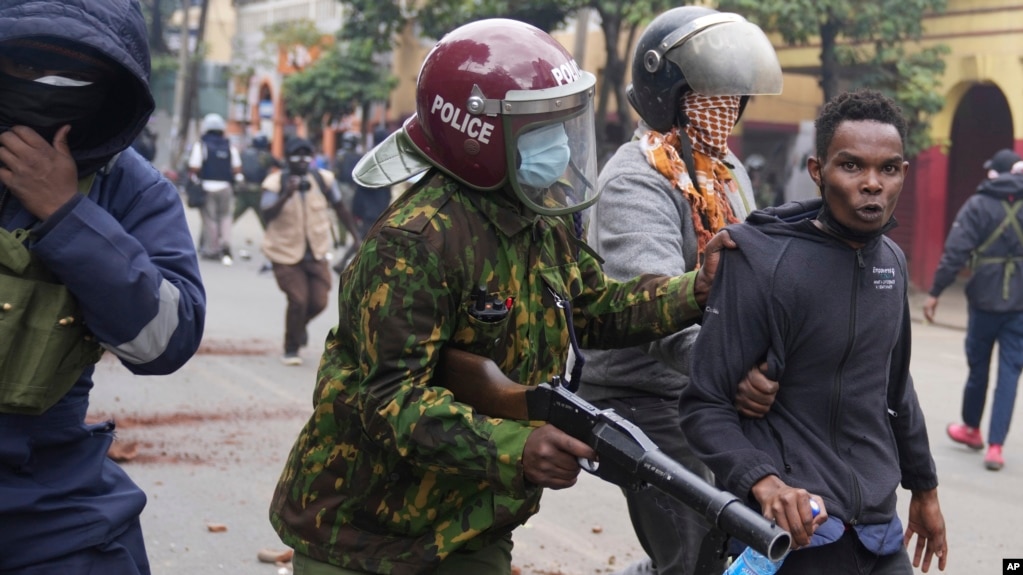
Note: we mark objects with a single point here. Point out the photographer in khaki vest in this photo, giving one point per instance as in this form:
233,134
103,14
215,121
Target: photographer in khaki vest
296,203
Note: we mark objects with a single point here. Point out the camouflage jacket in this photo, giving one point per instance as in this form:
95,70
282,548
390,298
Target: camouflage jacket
390,474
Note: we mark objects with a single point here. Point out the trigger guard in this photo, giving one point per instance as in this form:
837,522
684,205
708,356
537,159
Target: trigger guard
588,465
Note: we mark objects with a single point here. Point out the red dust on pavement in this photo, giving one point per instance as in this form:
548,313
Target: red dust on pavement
130,446
144,439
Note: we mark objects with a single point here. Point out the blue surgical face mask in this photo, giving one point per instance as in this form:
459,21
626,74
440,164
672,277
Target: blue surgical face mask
544,156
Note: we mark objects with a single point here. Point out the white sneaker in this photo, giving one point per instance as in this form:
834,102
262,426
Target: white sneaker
291,359
226,260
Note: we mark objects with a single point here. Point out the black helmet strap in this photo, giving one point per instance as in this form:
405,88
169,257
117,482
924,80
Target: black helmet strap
687,148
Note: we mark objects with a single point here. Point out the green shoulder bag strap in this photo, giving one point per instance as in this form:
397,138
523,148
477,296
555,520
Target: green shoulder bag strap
1010,263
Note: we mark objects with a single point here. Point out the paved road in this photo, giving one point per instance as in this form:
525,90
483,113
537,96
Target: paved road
213,436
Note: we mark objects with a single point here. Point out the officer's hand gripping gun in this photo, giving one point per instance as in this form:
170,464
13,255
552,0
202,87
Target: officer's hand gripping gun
627,457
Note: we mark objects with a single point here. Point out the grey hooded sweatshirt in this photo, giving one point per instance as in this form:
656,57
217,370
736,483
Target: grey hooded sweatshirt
643,224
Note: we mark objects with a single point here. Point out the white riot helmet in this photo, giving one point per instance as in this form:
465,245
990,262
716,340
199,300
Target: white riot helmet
212,123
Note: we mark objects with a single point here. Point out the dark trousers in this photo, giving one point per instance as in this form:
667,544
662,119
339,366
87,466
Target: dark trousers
983,329
670,532
368,204
248,199
125,555
65,507
495,559
847,556
307,286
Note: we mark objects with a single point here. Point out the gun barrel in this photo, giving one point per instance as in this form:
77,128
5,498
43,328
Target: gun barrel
628,457
719,507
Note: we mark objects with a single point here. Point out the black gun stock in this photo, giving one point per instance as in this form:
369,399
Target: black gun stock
627,457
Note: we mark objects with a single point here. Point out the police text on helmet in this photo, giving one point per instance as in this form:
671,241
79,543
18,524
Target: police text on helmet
566,73
460,120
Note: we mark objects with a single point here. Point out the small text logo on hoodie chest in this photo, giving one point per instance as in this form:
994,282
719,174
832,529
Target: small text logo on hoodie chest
884,278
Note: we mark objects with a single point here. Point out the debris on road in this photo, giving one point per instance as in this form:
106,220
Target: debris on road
275,556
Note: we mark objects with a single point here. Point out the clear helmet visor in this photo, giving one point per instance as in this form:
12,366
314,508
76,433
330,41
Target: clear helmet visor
555,163
722,55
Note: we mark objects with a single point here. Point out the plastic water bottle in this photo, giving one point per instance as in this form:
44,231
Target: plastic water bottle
749,562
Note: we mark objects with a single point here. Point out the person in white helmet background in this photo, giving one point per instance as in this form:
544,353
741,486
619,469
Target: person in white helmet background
217,163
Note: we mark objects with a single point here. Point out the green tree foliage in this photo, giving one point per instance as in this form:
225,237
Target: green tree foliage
377,22
291,33
157,13
620,21
285,36
864,44
352,71
372,27
347,77
437,17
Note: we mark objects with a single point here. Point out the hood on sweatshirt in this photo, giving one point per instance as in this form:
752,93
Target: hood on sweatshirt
111,32
1006,186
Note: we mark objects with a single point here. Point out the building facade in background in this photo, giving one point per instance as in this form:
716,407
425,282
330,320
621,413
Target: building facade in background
256,103
983,91
983,88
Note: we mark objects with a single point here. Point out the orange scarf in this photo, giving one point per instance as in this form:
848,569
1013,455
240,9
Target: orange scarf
711,120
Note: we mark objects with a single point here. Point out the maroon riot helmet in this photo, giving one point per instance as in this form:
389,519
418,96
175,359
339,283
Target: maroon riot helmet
499,103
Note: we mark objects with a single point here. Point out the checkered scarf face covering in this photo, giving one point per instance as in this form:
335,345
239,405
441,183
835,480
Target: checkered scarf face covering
710,122
711,119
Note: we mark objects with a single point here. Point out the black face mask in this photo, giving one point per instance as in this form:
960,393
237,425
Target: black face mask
46,108
298,168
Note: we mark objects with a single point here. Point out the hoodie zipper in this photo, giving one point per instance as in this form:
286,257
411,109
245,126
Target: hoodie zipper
836,392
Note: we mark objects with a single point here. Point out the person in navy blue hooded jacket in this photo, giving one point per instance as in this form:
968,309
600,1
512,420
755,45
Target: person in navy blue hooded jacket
109,229
987,237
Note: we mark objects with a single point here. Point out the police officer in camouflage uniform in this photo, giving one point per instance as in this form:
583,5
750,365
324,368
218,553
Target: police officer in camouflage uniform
391,475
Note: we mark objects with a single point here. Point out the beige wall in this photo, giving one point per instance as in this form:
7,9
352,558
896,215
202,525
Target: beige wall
409,54
986,39
220,28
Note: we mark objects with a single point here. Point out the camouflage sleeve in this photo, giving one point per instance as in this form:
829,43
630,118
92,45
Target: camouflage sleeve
611,314
407,297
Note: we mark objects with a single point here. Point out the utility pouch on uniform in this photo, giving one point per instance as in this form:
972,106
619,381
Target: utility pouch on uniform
44,343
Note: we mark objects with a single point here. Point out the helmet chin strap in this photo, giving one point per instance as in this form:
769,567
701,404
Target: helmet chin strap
687,148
